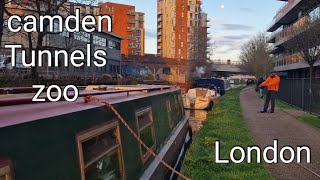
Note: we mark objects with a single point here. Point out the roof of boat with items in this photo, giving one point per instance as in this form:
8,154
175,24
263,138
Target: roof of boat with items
16,104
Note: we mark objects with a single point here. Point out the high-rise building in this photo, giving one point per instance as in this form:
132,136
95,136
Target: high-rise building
176,20
85,9
293,21
140,34
126,22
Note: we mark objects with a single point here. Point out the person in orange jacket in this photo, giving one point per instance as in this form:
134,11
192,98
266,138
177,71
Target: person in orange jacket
272,84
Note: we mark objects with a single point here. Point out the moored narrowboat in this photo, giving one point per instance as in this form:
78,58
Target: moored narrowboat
85,140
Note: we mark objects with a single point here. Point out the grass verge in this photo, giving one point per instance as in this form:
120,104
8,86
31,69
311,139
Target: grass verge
283,105
312,120
309,119
226,124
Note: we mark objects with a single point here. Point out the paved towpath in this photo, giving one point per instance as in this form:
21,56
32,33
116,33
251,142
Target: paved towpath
264,128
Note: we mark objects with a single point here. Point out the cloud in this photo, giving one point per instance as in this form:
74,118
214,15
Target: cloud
217,20
248,10
238,37
229,46
232,27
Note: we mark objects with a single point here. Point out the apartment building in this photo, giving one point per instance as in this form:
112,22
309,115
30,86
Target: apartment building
127,23
287,24
175,22
140,34
65,41
85,9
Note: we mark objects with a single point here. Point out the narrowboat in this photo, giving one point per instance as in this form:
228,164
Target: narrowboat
220,85
85,140
199,99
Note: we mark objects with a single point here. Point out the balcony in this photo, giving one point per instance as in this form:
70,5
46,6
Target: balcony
282,15
272,36
160,26
131,12
286,59
285,9
131,46
287,62
292,30
130,21
130,29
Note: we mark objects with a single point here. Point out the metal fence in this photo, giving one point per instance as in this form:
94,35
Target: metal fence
300,93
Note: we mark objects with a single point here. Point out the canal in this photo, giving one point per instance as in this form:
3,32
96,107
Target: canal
197,117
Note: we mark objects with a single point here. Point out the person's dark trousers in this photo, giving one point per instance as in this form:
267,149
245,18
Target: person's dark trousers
271,96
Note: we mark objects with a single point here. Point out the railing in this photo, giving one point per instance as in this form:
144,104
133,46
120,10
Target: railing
131,21
275,33
288,59
291,30
288,32
222,62
302,94
285,9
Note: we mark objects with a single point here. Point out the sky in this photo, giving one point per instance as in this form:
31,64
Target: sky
232,23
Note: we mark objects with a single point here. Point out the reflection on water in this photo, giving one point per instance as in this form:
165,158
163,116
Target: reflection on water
197,117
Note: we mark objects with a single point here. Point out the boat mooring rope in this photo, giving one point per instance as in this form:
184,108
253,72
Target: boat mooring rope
92,98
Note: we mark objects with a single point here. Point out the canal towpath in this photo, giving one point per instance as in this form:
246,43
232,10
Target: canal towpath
288,130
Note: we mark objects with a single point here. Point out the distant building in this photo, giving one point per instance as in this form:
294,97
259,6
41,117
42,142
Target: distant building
85,9
220,68
140,34
176,20
165,69
127,23
292,16
65,40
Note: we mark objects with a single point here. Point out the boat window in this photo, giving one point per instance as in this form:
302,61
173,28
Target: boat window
5,170
100,153
146,132
169,114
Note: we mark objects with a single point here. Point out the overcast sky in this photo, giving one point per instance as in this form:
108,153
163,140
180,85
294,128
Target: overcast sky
232,22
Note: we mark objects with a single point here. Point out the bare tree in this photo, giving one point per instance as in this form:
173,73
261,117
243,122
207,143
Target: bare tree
255,57
304,43
41,8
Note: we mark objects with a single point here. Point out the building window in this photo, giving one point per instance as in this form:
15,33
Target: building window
6,170
100,152
146,132
99,41
82,36
111,44
131,11
110,8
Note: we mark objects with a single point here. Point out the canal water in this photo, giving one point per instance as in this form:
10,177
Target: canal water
197,117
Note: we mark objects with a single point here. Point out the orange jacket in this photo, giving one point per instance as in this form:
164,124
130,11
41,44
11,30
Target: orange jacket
272,83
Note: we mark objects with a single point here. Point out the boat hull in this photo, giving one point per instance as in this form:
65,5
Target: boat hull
46,144
199,103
